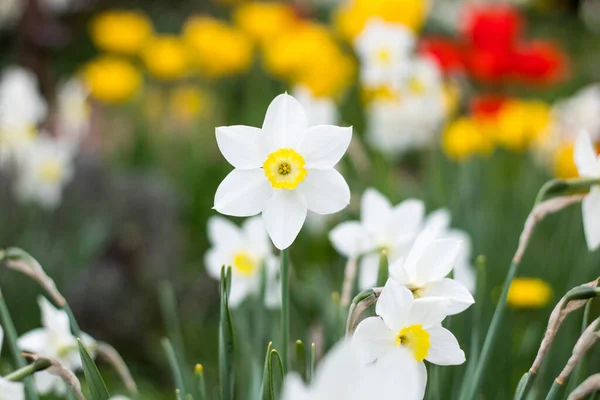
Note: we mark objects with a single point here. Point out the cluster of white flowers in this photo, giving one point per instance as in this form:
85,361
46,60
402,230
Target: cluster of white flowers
588,165
406,91
40,162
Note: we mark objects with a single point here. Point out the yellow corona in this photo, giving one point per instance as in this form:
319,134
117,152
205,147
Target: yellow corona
285,169
416,339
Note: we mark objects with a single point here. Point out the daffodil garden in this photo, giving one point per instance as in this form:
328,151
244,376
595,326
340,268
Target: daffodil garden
303,200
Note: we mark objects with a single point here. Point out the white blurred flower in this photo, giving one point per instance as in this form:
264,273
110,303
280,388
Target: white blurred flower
283,170
384,50
73,111
409,117
54,340
588,165
425,269
408,331
44,169
246,249
10,12
319,110
382,227
342,375
55,6
10,390
22,108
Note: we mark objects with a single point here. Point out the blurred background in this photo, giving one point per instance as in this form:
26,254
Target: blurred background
108,162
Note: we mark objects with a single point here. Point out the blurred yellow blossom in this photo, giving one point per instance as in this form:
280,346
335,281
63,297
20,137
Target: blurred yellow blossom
310,56
519,123
123,32
217,48
166,57
264,21
112,79
465,137
188,102
529,293
352,16
564,164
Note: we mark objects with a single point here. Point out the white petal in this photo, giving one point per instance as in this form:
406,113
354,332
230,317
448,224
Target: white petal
46,383
243,193
406,219
591,218
223,233
240,289
368,271
460,298
438,222
585,156
11,390
35,341
338,374
437,261
348,238
325,191
54,319
427,312
374,339
273,284
394,305
285,123
294,388
396,373
284,216
398,273
324,146
1,338
256,234
214,259
444,349
374,210
244,147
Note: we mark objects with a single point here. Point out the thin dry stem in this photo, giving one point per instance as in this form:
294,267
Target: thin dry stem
64,373
558,315
538,213
109,354
589,386
584,343
349,277
34,270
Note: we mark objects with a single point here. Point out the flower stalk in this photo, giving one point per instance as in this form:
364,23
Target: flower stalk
285,307
29,370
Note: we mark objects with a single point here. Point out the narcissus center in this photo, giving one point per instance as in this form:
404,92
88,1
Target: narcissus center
51,171
384,56
244,263
285,169
416,339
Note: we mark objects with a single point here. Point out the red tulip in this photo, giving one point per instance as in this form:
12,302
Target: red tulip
487,66
444,51
539,62
492,28
486,105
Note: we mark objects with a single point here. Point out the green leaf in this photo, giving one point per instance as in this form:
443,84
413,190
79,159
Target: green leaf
313,361
226,339
269,385
200,383
301,359
96,385
383,273
177,376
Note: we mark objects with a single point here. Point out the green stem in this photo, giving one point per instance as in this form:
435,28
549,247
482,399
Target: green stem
492,333
554,391
74,325
285,308
559,187
11,336
383,272
527,385
22,373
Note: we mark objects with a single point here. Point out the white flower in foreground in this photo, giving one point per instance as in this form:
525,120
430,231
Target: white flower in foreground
246,249
412,114
22,108
425,269
54,340
384,50
44,169
283,170
319,110
342,375
382,227
10,390
408,331
588,165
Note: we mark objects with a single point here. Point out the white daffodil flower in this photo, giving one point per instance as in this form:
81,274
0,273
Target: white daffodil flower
409,118
44,169
408,331
22,108
246,249
588,165
425,269
54,340
319,110
342,375
283,170
10,390
382,227
384,50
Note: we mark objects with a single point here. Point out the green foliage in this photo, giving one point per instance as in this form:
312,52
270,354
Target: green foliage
96,386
